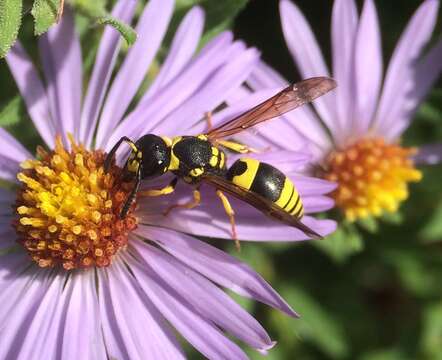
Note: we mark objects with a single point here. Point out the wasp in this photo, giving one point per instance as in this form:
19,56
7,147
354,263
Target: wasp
202,159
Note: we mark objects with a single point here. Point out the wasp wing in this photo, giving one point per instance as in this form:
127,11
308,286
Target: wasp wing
288,99
257,201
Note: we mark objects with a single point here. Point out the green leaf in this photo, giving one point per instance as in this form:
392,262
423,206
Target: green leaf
316,324
384,354
369,224
344,242
419,270
125,30
91,9
45,14
219,15
12,112
393,218
10,20
431,340
432,231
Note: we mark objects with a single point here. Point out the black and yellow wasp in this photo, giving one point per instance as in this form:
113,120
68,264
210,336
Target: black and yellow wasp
200,159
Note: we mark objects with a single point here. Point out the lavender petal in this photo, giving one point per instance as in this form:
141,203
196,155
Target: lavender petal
307,54
343,33
11,148
101,74
135,321
213,93
183,47
399,77
217,266
33,92
82,336
151,29
60,53
20,299
212,303
429,155
170,97
368,68
205,337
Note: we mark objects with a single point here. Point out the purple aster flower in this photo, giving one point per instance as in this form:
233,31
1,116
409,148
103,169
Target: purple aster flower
354,132
89,284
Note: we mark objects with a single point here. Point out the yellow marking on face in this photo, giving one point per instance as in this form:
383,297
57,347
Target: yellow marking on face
139,154
133,165
245,180
202,137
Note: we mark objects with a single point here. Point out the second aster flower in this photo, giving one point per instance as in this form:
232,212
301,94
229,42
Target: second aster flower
354,133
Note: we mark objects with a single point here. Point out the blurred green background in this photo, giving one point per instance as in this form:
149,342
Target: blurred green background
373,290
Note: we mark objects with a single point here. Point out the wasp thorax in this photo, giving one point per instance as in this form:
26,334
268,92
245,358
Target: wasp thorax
68,208
372,176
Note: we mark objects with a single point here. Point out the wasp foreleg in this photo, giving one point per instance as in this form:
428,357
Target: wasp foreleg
231,214
110,155
131,196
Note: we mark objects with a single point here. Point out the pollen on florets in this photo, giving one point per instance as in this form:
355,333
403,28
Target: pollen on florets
68,208
372,176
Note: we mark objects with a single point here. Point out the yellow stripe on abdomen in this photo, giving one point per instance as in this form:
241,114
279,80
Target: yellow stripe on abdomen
245,180
290,200
286,194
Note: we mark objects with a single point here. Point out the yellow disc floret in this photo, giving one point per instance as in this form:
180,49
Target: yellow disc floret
68,208
372,176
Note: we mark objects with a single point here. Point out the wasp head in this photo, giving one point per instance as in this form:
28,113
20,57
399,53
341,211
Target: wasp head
152,154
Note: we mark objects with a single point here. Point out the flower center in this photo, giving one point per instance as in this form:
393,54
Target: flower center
68,208
372,176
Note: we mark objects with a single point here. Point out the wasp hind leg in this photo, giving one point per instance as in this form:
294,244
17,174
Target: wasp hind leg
160,192
189,205
231,214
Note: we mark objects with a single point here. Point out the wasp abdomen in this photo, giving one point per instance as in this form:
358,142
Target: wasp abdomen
267,181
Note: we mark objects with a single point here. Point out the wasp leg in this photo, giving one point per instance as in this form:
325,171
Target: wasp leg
169,189
208,116
231,214
236,147
131,197
110,155
189,205
59,11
